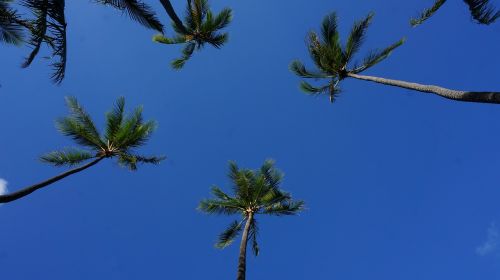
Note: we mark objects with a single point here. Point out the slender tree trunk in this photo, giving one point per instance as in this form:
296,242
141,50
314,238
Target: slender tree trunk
171,13
26,191
459,95
242,263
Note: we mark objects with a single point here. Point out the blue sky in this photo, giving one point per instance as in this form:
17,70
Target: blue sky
398,184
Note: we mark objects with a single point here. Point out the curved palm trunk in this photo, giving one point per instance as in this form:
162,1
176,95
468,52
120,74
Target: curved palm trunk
26,191
242,264
171,13
459,95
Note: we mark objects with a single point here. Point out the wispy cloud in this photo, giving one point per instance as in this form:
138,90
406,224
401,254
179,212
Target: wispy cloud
3,186
491,243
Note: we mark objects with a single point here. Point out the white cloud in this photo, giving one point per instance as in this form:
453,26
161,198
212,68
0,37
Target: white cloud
3,186
491,243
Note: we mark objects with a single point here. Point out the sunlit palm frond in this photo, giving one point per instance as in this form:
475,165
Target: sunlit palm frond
69,157
427,13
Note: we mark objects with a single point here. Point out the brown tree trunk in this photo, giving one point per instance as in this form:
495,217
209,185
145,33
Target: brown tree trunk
26,191
242,265
173,16
459,95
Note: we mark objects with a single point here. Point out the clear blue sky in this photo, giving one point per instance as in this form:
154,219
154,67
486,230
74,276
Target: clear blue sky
398,185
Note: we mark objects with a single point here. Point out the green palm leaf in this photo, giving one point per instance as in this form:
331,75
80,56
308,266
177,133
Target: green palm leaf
138,11
227,236
69,157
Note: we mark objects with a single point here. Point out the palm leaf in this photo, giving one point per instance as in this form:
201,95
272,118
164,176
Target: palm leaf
284,209
66,157
187,52
253,233
483,11
300,70
329,29
377,56
227,236
427,13
356,37
11,31
213,206
159,38
138,11
114,119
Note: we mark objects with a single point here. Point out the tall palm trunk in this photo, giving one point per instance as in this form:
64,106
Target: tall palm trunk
26,191
173,16
459,95
242,264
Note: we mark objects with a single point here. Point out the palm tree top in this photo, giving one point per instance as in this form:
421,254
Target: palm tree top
200,27
256,192
123,134
334,60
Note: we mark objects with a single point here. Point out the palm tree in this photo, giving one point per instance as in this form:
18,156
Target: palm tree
123,134
480,10
200,27
255,192
334,63
48,26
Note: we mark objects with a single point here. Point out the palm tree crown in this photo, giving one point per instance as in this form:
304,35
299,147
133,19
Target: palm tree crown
200,27
334,60
255,192
123,134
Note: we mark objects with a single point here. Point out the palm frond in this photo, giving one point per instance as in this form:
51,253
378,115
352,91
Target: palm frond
329,30
331,88
159,38
114,119
81,117
138,11
482,11
427,13
134,131
274,196
222,19
217,192
214,206
69,157
11,31
300,70
227,236
48,27
40,11
253,234
218,40
176,21
57,27
131,160
377,56
187,52
272,176
284,208
356,37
